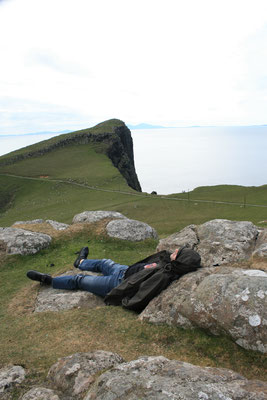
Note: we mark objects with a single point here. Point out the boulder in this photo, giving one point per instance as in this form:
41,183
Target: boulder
186,236
157,378
94,216
59,226
129,229
218,241
224,241
221,300
261,244
10,377
21,241
74,374
49,299
40,393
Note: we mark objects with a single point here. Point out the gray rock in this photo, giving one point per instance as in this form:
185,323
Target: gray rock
10,377
49,299
157,378
219,241
74,374
129,229
94,216
33,221
186,236
221,300
261,244
222,241
21,241
40,393
59,226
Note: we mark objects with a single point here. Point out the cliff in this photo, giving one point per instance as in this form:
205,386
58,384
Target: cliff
112,134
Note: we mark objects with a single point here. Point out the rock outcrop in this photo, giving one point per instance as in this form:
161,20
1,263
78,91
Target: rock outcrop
221,300
129,229
115,136
49,299
95,216
21,241
74,374
157,378
40,393
219,241
104,375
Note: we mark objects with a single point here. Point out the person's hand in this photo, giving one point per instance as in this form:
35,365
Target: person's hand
174,255
153,265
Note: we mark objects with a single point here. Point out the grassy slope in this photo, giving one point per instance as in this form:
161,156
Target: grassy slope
38,340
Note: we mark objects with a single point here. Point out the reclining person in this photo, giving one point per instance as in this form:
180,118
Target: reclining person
164,265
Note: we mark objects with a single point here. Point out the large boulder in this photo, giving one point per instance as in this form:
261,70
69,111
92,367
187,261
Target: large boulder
10,377
74,374
219,241
94,216
157,378
21,241
129,229
186,236
221,300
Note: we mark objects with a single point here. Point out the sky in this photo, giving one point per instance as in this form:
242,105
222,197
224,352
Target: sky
69,65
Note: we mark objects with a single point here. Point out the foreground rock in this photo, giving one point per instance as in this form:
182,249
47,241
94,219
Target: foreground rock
129,229
21,241
40,393
218,241
94,216
10,377
74,374
49,299
157,378
221,300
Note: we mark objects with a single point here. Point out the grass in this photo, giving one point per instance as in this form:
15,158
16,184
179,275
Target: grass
37,340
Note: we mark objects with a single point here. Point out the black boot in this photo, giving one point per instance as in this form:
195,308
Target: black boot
82,255
44,279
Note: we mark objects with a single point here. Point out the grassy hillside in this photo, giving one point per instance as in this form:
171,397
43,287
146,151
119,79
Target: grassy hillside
24,199
37,340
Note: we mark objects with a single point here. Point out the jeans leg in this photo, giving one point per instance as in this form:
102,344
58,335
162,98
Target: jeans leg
105,266
99,285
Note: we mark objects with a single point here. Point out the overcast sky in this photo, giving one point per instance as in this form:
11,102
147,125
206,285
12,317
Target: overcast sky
71,64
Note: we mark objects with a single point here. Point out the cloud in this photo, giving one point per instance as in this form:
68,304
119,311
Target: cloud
165,63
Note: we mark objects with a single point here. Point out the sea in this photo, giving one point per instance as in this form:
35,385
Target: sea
173,160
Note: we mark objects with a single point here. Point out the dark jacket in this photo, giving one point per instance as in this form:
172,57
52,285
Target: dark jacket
138,289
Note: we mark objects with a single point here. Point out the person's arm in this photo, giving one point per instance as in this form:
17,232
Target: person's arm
153,265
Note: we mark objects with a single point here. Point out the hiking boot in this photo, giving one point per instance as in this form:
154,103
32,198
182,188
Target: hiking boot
44,279
82,255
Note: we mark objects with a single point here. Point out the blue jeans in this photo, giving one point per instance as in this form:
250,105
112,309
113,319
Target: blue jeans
99,285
